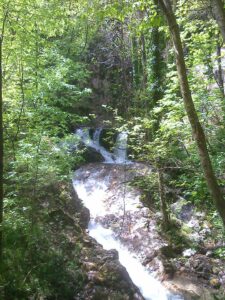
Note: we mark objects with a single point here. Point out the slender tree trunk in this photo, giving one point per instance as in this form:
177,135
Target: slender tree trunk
6,12
197,130
144,61
125,80
136,67
162,197
1,154
156,66
220,70
219,15
22,104
157,72
174,5
36,58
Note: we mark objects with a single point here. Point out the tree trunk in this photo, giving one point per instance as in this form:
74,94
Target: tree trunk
162,197
219,15
197,130
1,155
136,66
6,12
156,72
144,61
219,78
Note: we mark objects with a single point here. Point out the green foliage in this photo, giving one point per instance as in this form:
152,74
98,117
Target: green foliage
36,260
148,187
114,61
45,84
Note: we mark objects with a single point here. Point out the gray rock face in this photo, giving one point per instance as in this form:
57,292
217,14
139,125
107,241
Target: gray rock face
77,206
91,155
105,278
183,209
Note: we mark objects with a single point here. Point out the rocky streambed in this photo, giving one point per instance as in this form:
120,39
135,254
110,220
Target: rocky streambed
116,206
103,275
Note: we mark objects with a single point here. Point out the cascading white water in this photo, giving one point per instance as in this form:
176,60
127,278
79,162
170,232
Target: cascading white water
150,288
120,150
96,187
84,135
96,136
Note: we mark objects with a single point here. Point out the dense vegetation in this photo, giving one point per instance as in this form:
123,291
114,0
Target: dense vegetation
105,63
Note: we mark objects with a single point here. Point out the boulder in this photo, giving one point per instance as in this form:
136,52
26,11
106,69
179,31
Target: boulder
77,207
91,155
106,277
183,209
214,282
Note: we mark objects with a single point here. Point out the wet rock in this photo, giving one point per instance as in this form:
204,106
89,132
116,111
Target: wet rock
136,227
149,257
194,223
112,254
223,279
107,278
116,270
201,265
214,282
76,206
195,237
87,241
168,251
183,209
167,269
96,277
209,253
91,155
189,252
216,270
84,217
90,266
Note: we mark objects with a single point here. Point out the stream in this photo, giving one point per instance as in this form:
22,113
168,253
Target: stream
116,215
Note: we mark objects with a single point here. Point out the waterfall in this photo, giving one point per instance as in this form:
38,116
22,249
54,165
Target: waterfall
84,136
150,288
120,151
96,136
102,193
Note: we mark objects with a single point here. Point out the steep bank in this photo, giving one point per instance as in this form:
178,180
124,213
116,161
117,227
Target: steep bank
104,276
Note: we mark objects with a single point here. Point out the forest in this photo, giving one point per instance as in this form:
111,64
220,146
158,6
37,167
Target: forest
112,136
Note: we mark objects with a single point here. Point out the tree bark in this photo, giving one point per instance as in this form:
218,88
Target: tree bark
156,66
197,129
136,65
163,202
219,15
144,61
1,155
6,12
219,78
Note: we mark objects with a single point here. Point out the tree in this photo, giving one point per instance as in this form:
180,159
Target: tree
197,129
162,196
4,18
219,15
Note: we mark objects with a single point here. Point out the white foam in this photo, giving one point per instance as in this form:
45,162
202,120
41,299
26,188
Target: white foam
95,195
150,288
84,135
120,152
